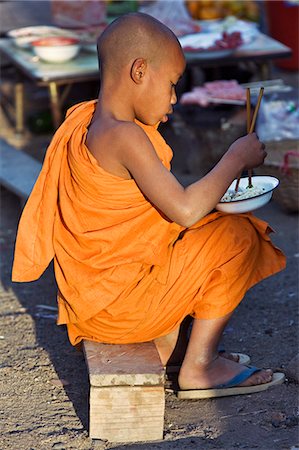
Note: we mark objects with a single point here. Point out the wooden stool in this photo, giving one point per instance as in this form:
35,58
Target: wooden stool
127,399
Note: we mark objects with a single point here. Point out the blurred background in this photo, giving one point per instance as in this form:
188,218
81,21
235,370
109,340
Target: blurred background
199,130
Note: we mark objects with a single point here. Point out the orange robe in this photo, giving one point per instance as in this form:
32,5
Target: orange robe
124,272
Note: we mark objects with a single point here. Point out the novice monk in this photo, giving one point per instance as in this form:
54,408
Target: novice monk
134,251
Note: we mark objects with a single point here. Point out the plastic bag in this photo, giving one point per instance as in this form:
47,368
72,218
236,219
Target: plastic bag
278,118
173,14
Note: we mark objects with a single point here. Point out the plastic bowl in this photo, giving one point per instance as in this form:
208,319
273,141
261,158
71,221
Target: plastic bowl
56,49
249,204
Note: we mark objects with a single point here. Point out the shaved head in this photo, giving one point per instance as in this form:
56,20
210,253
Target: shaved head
133,36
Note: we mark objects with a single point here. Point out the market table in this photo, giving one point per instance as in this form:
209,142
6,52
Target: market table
262,50
27,66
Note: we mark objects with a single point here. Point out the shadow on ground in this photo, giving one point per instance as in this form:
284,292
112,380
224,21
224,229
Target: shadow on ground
67,361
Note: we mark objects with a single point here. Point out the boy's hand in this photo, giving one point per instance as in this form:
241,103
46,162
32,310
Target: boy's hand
249,150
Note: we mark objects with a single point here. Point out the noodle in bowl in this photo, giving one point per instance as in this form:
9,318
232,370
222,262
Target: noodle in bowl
248,199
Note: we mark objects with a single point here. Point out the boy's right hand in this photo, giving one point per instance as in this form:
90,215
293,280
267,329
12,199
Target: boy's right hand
249,150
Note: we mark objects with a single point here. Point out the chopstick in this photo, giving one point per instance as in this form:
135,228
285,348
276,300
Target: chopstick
248,118
256,110
250,126
248,111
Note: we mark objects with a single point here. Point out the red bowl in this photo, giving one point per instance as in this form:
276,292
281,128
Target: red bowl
53,41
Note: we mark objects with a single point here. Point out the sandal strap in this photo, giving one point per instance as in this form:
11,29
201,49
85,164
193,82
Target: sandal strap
237,379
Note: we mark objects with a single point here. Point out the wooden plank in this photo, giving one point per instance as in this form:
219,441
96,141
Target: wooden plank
18,170
127,413
123,365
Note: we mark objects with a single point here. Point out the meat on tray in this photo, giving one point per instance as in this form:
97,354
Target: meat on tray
227,41
222,90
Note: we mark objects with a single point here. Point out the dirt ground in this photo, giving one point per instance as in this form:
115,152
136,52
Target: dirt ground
44,384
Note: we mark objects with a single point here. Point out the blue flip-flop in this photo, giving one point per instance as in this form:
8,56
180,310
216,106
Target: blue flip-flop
231,387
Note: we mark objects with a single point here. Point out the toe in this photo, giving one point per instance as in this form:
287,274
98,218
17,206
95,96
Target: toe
265,376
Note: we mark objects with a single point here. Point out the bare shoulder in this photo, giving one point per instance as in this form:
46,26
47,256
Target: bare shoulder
131,141
110,142
127,134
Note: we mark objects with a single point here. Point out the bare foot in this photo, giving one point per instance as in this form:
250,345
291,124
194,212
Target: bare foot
217,372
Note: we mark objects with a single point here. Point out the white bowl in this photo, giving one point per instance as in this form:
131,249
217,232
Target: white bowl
267,183
56,49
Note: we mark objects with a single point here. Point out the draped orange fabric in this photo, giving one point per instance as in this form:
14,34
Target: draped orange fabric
124,272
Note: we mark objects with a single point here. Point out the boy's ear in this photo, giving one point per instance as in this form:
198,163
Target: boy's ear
138,70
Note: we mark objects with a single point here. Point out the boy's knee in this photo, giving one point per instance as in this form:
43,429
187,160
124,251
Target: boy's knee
241,231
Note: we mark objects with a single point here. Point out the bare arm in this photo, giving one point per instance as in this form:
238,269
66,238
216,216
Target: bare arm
184,206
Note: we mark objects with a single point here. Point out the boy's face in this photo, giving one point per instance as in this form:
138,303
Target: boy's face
158,95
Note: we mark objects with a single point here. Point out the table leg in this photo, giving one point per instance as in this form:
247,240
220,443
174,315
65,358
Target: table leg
55,104
19,105
265,69
65,93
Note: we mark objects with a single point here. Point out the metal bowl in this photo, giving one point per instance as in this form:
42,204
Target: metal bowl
267,183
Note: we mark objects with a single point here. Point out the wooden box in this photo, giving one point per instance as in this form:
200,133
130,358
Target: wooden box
127,399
